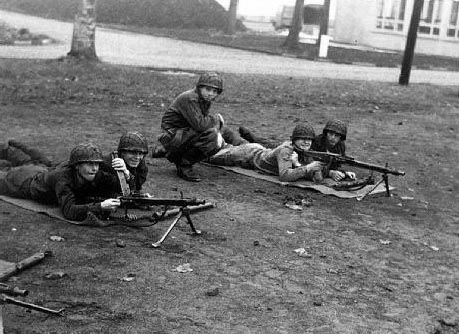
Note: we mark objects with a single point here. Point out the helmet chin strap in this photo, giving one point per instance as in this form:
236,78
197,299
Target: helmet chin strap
297,149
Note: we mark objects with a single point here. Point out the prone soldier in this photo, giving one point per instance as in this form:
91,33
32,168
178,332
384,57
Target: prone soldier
286,160
332,140
69,185
132,149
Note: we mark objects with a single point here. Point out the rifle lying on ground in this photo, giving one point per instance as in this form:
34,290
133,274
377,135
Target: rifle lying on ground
5,298
186,206
330,158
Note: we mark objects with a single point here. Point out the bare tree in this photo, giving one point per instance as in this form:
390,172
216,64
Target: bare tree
232,17
84,32
293,39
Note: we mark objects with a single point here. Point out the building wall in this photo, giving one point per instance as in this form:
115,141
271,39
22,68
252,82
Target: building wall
355,23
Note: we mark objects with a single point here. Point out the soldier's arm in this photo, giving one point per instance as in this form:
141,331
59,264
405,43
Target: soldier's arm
68,204
196,119
287,172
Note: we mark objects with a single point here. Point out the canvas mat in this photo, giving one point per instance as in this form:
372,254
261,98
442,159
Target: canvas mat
55,212
116,218
322,188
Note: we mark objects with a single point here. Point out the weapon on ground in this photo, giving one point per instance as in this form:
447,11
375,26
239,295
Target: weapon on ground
330,158
14,268
186,205
5,298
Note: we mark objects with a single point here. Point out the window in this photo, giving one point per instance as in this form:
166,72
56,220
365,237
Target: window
391,14
453,28
431,17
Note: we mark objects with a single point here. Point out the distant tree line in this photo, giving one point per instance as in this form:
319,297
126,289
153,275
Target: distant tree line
193,14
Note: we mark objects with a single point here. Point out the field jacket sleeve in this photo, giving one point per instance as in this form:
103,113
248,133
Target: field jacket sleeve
189,111
67,202
287,172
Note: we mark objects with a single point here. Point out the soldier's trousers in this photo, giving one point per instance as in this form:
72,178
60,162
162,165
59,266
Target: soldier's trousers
16,182
189,146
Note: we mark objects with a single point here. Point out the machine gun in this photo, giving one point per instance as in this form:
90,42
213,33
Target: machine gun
131,200
330,158
5,298
186,206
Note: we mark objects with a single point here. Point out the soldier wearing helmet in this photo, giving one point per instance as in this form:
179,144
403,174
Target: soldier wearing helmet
189,132
332,140
69,185
132,149
285,160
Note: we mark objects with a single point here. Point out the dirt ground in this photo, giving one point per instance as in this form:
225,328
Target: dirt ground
382,265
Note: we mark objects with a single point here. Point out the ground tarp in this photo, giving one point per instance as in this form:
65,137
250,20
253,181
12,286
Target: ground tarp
324,188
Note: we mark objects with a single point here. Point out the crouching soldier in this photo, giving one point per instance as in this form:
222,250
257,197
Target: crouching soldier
285,160
72,186
332,140
132,149
189,132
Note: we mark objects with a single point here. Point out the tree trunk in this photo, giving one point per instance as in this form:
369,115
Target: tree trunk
407,61
293,39
84,32
232,17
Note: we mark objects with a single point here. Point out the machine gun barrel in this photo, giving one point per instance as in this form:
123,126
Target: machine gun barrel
326,157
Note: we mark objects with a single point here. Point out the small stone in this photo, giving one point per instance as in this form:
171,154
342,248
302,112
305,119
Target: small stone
213,292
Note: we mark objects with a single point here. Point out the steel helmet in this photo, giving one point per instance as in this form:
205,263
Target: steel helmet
85,153
133,141
337,126
211,79
303,130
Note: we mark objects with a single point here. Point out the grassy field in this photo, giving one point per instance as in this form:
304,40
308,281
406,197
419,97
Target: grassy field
382,265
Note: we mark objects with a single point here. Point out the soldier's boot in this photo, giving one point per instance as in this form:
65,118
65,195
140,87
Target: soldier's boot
185,171
232,137
252,138
185,166
35,155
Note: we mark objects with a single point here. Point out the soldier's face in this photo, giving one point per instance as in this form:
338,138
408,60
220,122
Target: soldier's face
303,144
88,170
132,158
333,138
208,93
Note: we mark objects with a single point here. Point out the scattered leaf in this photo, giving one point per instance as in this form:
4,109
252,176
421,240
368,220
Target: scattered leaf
184,268
302,252
120,243
294,206
55,275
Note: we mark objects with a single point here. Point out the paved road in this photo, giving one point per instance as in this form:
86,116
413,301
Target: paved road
142,50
